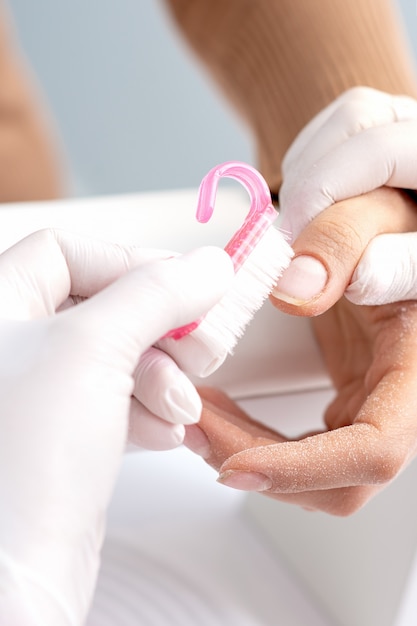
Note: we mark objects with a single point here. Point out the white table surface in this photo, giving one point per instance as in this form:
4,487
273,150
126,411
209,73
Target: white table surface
180,551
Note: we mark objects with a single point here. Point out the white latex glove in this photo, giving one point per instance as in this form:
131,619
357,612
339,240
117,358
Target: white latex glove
165,399
67,375
362,141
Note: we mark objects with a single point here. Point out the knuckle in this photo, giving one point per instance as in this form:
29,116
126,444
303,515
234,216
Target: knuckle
360,92
350,500
359,116
362,108
339,239
353,109
387,465
44,238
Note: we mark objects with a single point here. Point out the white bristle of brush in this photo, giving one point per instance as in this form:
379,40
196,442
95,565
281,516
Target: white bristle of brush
222,327
226,322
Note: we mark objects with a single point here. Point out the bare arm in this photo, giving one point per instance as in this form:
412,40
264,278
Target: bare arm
31,166
281,61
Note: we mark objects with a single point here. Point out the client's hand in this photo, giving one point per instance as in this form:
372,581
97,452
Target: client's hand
371,428
70,380
370,354
364,140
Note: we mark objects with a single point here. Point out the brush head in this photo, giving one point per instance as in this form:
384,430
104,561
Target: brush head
203,350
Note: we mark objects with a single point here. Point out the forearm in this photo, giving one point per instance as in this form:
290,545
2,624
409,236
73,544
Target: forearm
281,61
31,166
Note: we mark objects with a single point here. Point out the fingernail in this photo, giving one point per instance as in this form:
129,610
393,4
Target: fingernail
248,481
303,280
196,440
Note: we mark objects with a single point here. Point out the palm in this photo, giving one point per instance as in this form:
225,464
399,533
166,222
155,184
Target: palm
361,346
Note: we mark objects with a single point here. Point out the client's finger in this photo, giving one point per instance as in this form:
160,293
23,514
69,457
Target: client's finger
372,451
329,249
225,429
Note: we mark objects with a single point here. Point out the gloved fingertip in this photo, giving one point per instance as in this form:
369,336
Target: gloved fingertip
177,436
168,441
405,108
369,290
382,278
193,356
212,365
183,403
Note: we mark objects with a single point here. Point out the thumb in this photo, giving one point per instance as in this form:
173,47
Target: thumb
147,302
387,272
329,249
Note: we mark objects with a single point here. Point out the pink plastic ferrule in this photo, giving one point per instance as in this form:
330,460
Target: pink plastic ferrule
259,218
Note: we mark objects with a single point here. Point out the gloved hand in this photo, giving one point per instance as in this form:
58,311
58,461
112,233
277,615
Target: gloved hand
69,384
364,140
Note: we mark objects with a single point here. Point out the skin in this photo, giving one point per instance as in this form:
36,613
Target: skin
370,430
31,162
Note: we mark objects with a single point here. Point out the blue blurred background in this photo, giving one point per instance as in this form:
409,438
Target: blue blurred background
134,109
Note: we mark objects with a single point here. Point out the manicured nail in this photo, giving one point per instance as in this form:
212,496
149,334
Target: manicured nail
303,280
196,440
247,481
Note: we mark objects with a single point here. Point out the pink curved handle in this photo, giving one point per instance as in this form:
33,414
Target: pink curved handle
259,218
261,212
